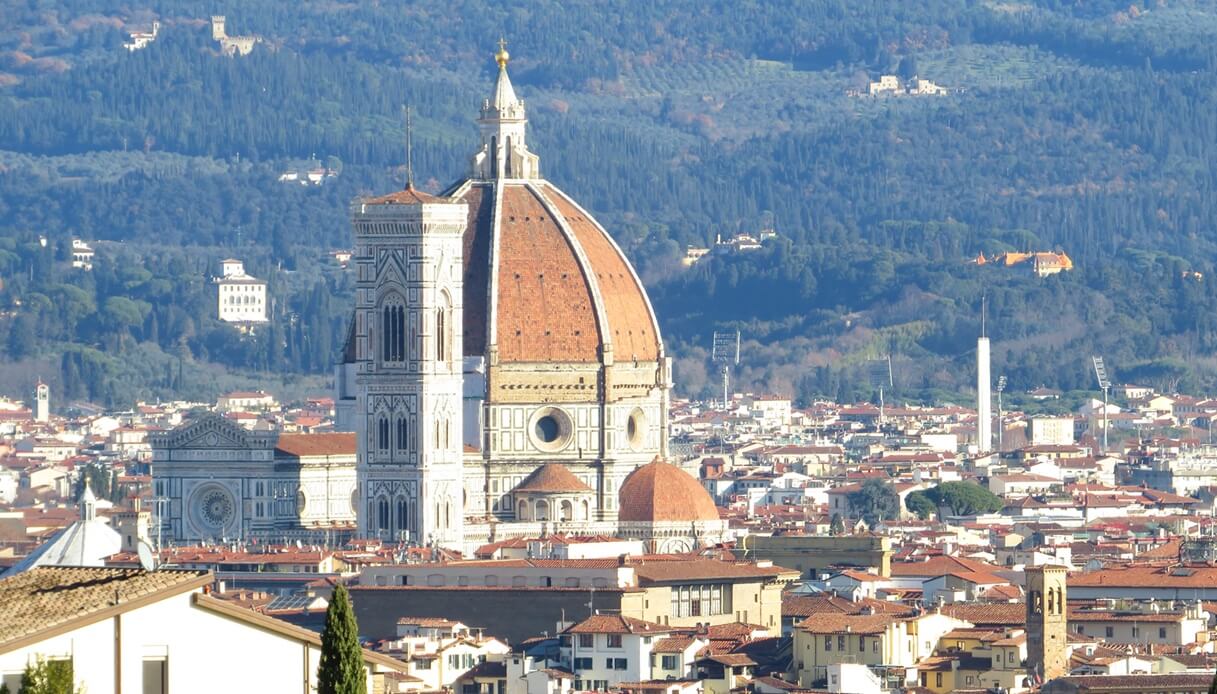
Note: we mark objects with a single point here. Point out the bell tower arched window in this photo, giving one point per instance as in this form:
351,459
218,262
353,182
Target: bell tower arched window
402,514
382,433
443,329
382,513
439,335
403,431
392,332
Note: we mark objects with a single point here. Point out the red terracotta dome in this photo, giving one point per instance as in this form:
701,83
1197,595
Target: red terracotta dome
544,282
552,478
659,492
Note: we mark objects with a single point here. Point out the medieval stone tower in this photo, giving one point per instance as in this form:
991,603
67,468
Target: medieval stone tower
1047,650
407,332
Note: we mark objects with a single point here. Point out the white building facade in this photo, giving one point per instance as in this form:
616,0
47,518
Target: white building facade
126,630
240,298
220,481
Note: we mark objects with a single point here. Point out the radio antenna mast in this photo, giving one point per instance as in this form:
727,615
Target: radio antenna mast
1100,373
725,353
880,373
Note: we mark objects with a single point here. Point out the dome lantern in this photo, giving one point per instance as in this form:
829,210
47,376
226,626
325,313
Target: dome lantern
504,151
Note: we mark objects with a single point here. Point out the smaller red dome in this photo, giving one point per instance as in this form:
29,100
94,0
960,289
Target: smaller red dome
552,478
659,492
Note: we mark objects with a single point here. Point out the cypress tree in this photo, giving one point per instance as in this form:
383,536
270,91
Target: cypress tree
341,669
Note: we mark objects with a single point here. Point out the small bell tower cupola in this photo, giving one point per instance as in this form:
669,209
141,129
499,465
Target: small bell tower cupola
504,151
88,503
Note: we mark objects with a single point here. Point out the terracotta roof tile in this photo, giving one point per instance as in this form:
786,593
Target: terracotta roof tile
303,445
659,491
545,311
615,624
733,630
732,659
672,644
807,605
1139,576
42,599
1138,683
940,566
552,477
629,318
660,571
829,623
409,196
540,275
988,614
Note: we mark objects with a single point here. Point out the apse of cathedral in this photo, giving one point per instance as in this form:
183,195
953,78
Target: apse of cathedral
504,373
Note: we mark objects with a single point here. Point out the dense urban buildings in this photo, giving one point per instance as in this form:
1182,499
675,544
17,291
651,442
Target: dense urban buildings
516,502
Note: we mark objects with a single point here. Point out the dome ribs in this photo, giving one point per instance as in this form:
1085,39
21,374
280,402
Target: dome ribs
632,332
563,287
480,199
545,308
661,492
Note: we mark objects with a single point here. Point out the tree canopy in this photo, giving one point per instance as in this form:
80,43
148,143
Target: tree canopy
961,498
874,501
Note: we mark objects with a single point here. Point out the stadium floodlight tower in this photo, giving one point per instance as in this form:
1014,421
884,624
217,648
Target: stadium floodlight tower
1100,372
880,373
1001,385
725,353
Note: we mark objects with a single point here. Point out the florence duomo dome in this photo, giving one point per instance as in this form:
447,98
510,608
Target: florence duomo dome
498,329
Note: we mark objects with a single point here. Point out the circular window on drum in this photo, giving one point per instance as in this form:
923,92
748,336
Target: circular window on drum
635,429
550,429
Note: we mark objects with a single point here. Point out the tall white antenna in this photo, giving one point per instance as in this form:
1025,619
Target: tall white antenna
725,353
983,301
984,422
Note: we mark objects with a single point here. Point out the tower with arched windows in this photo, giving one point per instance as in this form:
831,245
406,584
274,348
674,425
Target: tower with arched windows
1047,610
407,343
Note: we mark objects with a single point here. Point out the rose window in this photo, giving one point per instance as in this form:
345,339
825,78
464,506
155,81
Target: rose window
217,508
